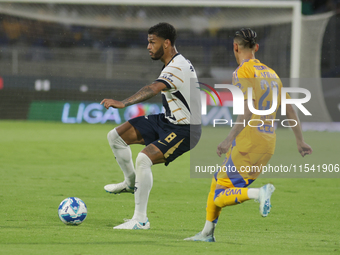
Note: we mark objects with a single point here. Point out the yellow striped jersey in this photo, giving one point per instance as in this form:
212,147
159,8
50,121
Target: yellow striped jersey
259,134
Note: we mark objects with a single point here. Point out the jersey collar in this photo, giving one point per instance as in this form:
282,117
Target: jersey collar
177,54
250,59
244,61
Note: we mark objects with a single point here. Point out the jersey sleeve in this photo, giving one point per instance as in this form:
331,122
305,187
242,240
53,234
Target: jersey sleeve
244,80
172,77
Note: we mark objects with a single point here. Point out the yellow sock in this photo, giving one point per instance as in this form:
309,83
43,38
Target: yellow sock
231,196
213,211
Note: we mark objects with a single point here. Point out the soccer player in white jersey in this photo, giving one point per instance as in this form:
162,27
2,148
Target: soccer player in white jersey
165,136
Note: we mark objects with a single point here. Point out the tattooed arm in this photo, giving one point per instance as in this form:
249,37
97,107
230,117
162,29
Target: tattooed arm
143,94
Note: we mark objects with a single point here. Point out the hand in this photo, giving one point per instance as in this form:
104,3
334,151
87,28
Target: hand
112,103
304,149
223,147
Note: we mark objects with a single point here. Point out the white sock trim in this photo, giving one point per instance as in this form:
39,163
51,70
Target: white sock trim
143,160
253,193
114,138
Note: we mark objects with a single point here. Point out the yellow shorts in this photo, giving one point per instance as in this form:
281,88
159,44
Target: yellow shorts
240,169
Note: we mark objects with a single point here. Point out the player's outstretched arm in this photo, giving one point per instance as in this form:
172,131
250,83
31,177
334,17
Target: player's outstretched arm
143,94
303,147
224,146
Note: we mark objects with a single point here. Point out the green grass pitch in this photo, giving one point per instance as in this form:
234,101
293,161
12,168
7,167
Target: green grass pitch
43,163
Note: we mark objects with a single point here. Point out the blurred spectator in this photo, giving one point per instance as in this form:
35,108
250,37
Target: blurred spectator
12,29
321,6
310,7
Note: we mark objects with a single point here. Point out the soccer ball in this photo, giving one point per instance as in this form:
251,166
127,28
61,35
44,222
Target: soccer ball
72,211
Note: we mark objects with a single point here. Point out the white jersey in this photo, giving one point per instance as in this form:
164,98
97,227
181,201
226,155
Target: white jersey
182,99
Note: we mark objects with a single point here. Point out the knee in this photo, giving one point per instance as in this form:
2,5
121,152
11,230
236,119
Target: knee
218,202
115,140
112,135
217,197
143,160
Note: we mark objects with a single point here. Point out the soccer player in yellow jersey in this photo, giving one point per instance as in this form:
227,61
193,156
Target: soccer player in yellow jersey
248,146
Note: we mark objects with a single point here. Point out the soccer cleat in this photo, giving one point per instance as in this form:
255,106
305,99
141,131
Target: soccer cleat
133,224
264,198
119,188
201,237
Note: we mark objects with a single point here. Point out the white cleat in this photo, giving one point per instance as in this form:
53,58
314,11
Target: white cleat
201,237
119,188
264,198
133,224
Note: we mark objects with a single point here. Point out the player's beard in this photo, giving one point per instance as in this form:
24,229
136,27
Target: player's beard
158,54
